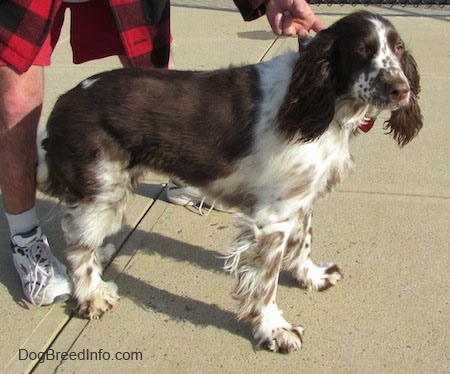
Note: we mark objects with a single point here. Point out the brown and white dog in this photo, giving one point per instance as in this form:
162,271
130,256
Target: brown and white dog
267,139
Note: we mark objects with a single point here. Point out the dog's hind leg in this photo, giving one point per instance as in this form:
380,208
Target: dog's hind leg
297,257
85,227
257,261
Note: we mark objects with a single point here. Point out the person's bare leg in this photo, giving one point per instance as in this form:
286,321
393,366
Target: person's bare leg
21,97
44,279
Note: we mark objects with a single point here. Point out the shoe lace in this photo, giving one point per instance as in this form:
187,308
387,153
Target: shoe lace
193,198
202,204
42,272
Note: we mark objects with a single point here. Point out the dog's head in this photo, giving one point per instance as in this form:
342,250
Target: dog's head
361,59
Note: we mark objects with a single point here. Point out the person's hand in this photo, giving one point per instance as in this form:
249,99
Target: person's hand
292,17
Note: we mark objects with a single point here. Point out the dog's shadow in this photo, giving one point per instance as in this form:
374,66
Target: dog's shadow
179,308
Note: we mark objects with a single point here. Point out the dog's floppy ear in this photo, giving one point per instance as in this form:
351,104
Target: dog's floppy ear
406,122
308,107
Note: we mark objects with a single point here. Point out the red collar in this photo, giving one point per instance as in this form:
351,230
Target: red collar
367,124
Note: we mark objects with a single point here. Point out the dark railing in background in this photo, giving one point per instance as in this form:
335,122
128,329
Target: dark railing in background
417,3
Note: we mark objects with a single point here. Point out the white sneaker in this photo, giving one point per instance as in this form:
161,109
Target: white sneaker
190,196
44,279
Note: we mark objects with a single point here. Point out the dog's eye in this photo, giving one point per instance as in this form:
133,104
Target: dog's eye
399,48
364,51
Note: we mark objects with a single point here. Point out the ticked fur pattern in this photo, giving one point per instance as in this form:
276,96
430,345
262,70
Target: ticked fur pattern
266,139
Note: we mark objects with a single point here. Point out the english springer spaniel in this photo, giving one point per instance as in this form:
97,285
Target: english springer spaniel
267,139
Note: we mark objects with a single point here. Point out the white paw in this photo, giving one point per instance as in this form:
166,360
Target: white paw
283,340
321,277
103,299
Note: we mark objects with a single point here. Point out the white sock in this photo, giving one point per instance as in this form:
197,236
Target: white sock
22,222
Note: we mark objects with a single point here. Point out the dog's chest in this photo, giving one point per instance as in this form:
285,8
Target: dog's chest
311,170
283,178
278,177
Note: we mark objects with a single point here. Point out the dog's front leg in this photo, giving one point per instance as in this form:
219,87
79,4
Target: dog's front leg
297,257
257,262
85,227
94,297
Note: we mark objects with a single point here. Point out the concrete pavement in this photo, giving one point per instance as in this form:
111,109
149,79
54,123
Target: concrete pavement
387,226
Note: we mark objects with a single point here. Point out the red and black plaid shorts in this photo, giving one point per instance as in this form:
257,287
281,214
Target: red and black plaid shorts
93,35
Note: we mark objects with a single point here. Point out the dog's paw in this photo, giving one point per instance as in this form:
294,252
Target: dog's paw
283,340
104,298
321,277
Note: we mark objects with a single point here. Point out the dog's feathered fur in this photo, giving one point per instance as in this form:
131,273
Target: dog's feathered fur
267,139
